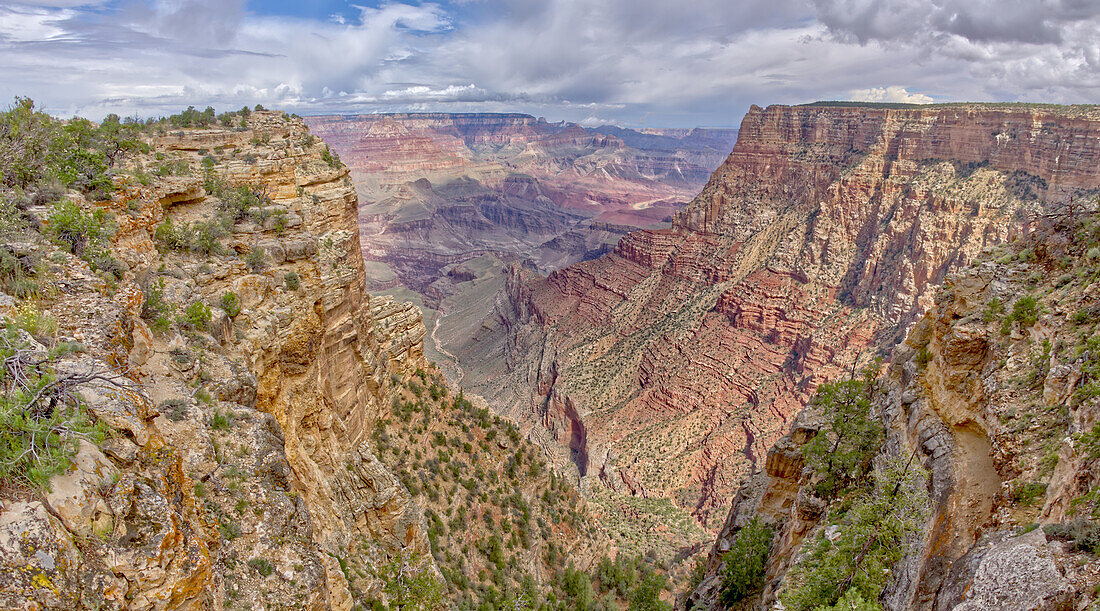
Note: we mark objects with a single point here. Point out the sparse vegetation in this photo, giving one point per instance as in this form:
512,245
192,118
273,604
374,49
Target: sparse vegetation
841,453
1085,534
255,258
332,159
872,530
41,418
1025,311
262,566
85,235
202,237
231,303
290,281
743,565
408,582
196,316
1028,493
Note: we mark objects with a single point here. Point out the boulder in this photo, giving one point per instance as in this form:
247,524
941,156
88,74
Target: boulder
1010,573
75,496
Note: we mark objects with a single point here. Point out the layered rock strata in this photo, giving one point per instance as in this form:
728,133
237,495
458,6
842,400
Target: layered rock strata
240,469
999,409
440,189
669,366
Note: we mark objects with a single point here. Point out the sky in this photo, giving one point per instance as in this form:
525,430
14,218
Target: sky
656,63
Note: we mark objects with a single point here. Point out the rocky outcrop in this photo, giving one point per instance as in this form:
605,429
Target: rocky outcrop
986,392
818,241
240,469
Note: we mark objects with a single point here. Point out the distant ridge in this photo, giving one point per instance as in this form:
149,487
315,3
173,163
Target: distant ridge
1068,109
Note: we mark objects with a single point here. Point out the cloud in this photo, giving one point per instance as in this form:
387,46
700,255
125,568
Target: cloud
1020,21
630,61
892,93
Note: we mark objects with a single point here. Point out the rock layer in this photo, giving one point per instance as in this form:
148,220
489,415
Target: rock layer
246,442
995,409
687,351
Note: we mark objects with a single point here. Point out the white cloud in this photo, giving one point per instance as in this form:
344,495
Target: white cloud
685,63
892,93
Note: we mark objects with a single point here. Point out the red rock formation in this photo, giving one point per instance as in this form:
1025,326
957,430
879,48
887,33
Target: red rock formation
821,237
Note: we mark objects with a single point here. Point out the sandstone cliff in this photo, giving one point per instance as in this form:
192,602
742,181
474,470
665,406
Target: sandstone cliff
247,426
668,367
993,391
238,468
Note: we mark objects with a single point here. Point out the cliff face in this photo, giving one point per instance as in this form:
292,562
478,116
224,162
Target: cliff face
992,393
241,442
669,366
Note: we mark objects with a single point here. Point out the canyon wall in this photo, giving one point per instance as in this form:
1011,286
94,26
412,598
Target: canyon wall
238,469
668,367
1000,408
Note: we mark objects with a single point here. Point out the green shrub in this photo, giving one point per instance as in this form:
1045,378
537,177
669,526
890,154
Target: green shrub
228,529
197,316
161,324
853,601
332,159
41,421
577,586
646,596
841,452
77,230
231,303
1028,493
239,202
259,215
255,258
1025,311
290,280
221,421
409,582
924,356
155,305
16,271
170,236
1084,316
1085,534
742,571
261,566
872,536
174,409
993,310
207,236
1089,386
280,224
1090,442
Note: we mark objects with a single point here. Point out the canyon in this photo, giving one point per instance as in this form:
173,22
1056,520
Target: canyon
668,367
232,440
253,443
242,328
446,200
